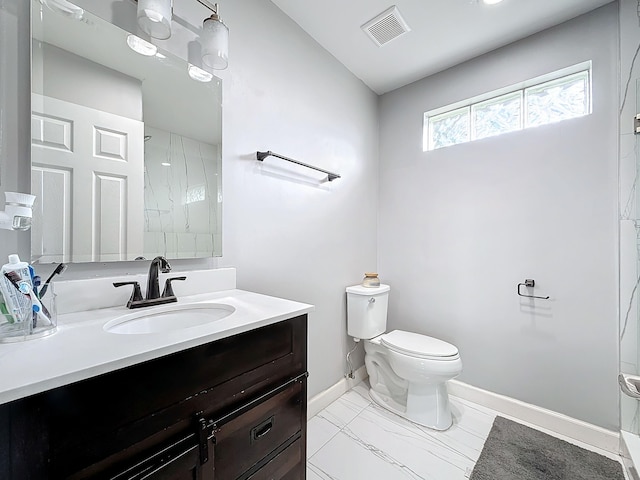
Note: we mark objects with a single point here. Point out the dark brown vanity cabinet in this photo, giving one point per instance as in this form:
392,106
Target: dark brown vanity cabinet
231,409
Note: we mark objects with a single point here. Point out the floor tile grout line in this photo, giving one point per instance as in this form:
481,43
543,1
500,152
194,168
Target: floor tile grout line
323,445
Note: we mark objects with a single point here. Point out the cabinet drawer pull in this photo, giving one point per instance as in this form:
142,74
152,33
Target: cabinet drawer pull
262,429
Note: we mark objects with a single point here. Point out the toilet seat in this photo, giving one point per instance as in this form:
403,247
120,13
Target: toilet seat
419,346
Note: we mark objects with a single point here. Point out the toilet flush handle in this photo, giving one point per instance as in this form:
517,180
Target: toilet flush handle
372,300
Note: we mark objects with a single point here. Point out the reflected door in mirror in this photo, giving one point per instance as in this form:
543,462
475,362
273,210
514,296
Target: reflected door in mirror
83,153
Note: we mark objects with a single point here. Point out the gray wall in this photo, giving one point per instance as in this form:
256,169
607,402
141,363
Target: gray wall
461,226
286,235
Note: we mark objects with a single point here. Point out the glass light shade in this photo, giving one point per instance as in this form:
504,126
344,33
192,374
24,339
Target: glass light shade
141,46
66,8
199,74
491,2
215,44
154,18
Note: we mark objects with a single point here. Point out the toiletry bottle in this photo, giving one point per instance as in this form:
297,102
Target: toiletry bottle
371,280
18,304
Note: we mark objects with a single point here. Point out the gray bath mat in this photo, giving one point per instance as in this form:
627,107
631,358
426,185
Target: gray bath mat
516,452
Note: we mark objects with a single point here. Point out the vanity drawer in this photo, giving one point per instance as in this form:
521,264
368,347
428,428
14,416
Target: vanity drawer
247,437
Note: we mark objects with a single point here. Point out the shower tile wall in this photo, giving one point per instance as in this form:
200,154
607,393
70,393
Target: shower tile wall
629,211
182,191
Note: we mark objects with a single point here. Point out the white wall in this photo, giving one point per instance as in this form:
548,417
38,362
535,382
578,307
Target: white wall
287,236
461,226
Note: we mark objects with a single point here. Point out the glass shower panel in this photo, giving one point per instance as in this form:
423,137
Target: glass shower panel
630,264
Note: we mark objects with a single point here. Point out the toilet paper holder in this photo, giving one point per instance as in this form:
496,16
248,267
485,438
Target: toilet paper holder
530,283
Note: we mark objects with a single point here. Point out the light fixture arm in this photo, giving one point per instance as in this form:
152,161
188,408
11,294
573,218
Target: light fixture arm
211,6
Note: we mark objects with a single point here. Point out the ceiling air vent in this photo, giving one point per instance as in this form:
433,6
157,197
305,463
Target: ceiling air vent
386,26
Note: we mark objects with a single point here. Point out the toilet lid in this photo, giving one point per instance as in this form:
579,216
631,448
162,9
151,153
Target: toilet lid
418,345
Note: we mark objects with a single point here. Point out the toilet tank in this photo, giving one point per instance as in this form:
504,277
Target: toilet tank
367,311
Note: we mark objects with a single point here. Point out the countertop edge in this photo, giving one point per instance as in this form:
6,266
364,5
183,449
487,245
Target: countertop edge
91,370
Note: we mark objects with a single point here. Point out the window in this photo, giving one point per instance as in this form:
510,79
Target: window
537,102
449,128
496,116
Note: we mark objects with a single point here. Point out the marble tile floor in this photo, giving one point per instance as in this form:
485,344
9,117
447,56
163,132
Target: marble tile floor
355,439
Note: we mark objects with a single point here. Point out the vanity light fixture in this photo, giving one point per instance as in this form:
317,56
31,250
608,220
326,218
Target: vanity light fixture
491,2
214,39
154,17
199,74
141,46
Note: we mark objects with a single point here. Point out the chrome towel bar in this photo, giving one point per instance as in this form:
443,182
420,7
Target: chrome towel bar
262,155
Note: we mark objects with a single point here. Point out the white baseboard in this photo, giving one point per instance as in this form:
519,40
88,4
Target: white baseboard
539,417
331,394
519,411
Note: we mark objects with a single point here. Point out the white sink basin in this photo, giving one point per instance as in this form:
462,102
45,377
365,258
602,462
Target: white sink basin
168,318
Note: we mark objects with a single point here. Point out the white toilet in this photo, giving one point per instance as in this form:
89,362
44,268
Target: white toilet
407,371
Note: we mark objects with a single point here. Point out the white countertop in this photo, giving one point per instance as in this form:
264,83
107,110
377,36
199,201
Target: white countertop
81,348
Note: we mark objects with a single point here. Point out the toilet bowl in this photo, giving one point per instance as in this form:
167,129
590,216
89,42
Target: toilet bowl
412,384
407,371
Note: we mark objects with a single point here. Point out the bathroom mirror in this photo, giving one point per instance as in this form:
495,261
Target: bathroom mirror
126,147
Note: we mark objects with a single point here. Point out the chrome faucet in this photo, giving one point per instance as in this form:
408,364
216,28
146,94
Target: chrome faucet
153,288
153,296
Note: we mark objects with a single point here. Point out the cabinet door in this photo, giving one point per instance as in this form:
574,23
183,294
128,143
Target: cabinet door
179,461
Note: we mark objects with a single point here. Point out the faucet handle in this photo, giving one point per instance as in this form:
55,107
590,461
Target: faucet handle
136,295
168,289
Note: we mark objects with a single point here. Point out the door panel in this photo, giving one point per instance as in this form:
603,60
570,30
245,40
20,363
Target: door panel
52,216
